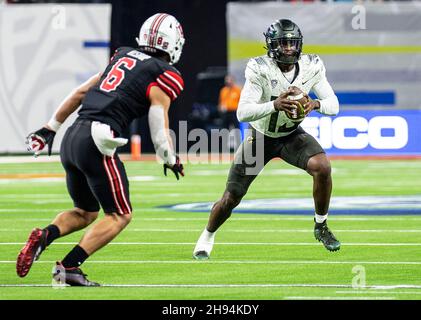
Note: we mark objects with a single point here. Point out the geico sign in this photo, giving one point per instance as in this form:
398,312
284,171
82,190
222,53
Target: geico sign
331,132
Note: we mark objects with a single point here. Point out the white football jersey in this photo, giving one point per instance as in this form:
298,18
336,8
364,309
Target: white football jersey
265,82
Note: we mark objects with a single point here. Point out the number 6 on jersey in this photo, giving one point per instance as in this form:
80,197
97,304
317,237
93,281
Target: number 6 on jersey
116,74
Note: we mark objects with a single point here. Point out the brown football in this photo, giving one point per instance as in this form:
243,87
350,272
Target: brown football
297,95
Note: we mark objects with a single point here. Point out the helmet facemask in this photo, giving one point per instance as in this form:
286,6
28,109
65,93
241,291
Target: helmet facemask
178,48
285,50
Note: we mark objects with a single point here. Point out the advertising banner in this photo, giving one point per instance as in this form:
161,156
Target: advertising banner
46,51
367,132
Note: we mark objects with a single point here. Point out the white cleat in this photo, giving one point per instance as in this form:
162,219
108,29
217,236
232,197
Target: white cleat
204,246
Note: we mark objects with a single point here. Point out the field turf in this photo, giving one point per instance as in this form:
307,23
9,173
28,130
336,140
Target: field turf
256,256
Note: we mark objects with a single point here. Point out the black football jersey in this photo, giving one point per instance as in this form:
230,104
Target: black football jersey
122,94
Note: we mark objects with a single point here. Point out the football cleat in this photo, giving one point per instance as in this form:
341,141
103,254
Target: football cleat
71,277
201,255
324,235
36,244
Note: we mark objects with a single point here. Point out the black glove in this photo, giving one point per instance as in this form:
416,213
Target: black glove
177,168
37,140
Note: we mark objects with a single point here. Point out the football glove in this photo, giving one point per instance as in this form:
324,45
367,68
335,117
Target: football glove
177,168
37,140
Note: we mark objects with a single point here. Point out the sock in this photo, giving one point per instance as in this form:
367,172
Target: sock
205,241
75,258
208,236
320,218
53,233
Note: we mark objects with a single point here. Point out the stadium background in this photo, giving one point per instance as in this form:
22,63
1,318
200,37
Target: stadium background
372,62
48,48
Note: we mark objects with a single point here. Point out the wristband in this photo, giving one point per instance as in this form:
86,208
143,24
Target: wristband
54,124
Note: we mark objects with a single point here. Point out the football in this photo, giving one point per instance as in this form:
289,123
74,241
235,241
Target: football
298,96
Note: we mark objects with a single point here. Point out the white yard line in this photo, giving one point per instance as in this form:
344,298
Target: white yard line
337,298
279,230
29,210
30,219
29,159
62,197
375,244
40,201
376,291
235,218
291,217
264,262
254,230
55,210
266,285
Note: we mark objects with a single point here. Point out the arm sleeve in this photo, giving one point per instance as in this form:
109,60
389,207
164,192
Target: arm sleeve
159,135
249,108
329,103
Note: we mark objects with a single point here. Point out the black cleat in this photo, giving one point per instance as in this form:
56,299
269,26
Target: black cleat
71,277
36,243
323,234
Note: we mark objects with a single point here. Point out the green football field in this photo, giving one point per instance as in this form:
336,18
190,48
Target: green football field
256,255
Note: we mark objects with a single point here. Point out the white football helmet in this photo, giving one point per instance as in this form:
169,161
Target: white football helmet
162,32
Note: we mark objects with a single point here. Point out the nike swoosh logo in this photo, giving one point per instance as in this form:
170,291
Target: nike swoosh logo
304,82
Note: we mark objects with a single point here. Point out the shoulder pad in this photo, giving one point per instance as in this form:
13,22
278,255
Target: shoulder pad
311,59
165,66
259,60
314,63
256,68
314,58
122,49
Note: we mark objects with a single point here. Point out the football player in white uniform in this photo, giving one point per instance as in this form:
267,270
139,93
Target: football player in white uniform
265,104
